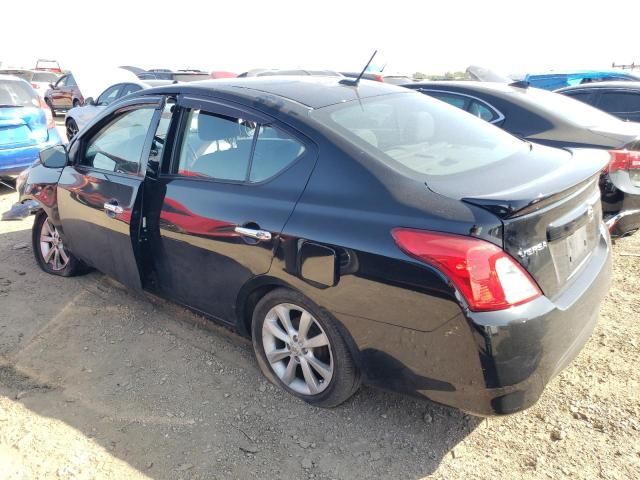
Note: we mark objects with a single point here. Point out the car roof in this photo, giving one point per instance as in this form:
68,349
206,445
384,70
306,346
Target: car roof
311,91
621,84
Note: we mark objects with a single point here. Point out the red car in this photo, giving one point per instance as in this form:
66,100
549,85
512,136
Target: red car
64,95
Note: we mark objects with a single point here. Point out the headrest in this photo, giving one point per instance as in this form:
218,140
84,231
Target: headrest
211,127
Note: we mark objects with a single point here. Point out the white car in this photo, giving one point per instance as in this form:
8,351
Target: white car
78,117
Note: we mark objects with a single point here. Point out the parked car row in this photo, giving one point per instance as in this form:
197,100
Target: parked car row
356,232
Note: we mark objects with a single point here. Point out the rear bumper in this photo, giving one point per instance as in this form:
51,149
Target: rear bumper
489,363
15,160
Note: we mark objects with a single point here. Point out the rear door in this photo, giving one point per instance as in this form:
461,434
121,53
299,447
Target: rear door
227,186
99,193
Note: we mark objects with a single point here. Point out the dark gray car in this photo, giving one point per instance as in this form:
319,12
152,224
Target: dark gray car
621,99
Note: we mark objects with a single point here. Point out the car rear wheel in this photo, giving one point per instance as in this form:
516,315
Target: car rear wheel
49,249
299,347
76,103
72,128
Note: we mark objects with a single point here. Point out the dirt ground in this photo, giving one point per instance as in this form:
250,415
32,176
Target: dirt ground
98,383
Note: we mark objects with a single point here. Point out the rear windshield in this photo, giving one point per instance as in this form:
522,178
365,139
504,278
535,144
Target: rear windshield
569,109
424,135
44,77
14,93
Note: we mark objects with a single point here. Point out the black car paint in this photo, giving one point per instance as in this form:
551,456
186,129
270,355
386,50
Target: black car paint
524,120
407,326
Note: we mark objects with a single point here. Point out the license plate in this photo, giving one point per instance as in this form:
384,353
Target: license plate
577,247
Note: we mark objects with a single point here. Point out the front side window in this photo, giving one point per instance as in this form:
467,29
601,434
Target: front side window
62,82
216,146
108,96
118,146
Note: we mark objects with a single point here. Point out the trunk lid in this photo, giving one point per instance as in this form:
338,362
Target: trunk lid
549,203
22,127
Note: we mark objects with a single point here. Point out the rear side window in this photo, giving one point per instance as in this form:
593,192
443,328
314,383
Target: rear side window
215,146
233,149
585,97
118,146
14,93
128,88
619,102
274,151
454,100
480,110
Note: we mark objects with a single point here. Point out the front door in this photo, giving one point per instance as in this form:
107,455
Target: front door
99,192
227,186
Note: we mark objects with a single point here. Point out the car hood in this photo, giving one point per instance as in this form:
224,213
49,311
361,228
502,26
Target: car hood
93,81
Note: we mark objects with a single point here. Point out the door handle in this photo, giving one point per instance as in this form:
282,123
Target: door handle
262,235
113,208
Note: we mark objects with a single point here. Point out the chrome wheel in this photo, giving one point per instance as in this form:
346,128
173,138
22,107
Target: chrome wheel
51,247
297,349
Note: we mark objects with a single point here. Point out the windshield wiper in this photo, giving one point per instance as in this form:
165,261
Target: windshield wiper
6,105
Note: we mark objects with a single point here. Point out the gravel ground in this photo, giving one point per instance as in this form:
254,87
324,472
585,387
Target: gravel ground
98,383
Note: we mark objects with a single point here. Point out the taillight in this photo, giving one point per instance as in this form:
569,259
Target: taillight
487,277
378,78
47,113
35,85
624,160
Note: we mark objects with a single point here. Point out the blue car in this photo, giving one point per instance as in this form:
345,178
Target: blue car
555,80
26,127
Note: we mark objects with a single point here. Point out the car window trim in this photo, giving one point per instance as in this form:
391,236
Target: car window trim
236,111
499,115
107,119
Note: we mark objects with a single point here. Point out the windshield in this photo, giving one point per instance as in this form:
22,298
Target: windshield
17,94
571,110
425,135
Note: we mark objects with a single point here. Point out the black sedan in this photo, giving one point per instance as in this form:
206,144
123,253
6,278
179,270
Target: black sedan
551,119
621,99
355,232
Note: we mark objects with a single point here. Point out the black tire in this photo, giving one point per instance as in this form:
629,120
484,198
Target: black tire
71,128
50,105
345,379
72,267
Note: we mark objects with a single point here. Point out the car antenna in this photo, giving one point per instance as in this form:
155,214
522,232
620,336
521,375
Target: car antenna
354,83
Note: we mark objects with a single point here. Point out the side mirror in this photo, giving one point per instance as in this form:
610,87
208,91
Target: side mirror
89,101
54,157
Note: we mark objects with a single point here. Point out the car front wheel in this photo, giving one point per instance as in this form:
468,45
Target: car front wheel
300,348
48,247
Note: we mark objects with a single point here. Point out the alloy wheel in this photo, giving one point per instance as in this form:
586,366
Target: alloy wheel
52,247
297,349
